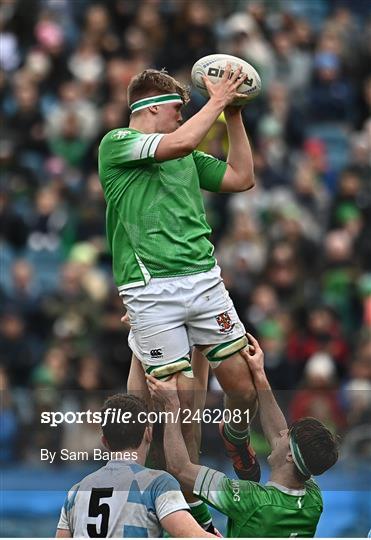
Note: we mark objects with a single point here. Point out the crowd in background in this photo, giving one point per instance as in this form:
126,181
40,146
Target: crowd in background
295,251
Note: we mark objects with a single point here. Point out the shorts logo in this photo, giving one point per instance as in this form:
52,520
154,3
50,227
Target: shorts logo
225,323
156,353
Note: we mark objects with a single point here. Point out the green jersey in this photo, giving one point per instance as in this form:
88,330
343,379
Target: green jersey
257,511
155,218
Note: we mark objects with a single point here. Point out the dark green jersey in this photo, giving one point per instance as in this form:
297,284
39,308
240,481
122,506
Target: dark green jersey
259,511
155,219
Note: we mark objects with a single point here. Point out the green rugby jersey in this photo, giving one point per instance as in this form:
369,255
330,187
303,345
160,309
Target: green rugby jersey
155,218
260,511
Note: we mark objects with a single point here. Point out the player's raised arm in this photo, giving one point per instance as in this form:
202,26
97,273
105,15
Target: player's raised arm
188,136
239,175
176,454
271,416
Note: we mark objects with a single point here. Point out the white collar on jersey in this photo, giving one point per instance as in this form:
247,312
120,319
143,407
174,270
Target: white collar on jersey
296,492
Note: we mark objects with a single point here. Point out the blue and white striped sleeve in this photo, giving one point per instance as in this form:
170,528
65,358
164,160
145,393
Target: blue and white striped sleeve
167,496
65,516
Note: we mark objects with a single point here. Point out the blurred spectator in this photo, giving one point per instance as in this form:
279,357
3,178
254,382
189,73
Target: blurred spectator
15,348
14,230
319,396
290,64
331,96
272,338
70,311
27,122
190,37
321,332
53,371
241,37
73,106
9,422
48,221
24,295
284,272
338,274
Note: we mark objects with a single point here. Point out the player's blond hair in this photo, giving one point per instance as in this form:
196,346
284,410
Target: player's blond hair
152,82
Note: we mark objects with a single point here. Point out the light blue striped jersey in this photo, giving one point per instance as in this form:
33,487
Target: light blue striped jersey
122,499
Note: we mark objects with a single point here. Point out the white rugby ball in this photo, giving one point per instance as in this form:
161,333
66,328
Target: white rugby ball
213,67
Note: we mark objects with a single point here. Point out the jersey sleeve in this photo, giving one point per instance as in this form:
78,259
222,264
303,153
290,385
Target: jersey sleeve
65,516
313,488
167,496
63,520
231,497
210,170
127,148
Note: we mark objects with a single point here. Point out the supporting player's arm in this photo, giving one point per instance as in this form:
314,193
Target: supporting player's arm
239,175
187,137
182,525
271,416
176,454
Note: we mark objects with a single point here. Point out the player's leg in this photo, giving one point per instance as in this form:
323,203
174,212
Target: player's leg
137,386
220,335
235,379
200,368
136,383
192,395
159,339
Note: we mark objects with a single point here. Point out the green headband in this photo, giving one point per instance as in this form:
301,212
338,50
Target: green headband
297,457
155,100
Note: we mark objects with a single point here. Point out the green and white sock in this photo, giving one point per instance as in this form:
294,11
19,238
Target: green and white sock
236,436
201,513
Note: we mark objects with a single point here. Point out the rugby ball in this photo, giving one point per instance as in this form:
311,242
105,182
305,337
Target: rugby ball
213,67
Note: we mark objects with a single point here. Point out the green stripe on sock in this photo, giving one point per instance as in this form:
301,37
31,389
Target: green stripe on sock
234,436
201,513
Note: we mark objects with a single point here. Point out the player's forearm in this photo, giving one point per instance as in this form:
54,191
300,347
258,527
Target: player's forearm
197,127
176,453
239,155
271,416
187,137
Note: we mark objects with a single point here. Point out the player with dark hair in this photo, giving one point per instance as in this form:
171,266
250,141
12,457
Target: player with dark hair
290,504
124,498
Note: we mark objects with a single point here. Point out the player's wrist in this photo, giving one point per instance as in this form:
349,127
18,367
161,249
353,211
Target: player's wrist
260,376
232,111
218,102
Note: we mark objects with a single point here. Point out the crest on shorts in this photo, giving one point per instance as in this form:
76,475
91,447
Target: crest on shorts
225,322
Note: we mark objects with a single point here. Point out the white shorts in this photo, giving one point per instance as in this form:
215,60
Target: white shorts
170,315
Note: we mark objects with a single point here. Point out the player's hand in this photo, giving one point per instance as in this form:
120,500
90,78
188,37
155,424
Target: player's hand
164,392
126,321
225,90
253,355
